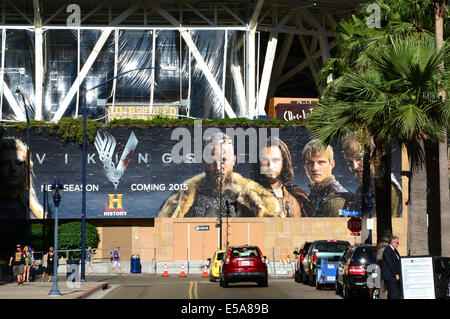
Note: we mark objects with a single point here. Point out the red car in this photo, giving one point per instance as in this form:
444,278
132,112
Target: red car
243,264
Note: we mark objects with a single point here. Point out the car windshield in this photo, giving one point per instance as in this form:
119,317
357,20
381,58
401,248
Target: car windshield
365,255
331,247
219,256
242,252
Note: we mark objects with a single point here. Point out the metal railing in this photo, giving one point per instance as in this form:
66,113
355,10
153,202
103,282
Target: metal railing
277,263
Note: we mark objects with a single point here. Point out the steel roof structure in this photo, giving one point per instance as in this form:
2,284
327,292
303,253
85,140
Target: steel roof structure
286,42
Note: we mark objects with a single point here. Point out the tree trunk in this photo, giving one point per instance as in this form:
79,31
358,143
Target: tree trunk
383,199
417,209
444,200
433,198
364,203
439,10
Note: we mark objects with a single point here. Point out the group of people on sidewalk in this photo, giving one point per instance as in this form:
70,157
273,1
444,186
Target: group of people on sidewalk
22,262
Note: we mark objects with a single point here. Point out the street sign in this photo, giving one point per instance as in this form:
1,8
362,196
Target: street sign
354,224
202,228
347,212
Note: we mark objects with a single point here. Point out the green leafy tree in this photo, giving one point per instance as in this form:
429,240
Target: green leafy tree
69,237
42,236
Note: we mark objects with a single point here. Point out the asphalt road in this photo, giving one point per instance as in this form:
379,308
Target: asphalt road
131,286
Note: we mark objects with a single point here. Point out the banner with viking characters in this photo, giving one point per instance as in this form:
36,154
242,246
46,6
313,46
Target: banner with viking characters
197,171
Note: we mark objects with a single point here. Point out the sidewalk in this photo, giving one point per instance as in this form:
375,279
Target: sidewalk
40,290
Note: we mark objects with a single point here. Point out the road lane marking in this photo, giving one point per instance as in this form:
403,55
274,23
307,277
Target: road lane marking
196,290
190,289
193,284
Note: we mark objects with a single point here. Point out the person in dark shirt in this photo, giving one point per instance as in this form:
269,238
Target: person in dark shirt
391,268
50,264
17,261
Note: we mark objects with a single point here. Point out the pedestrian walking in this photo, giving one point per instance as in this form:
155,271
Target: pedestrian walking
89,256
50,259
17,261
116,260
44,266
29,263
391,268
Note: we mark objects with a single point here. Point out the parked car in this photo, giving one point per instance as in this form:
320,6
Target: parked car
243,264
352,272
301,253
332,250
214,265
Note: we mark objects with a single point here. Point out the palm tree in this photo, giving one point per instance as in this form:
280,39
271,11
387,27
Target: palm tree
442,226
401,18
412,69
394,99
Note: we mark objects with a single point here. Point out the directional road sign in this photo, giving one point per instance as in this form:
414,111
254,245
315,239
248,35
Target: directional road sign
202,228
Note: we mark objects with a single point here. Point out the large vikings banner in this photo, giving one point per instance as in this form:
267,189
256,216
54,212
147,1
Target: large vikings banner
197,171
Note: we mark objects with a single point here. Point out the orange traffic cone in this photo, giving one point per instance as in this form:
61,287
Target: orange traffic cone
205,272
182,273
165,274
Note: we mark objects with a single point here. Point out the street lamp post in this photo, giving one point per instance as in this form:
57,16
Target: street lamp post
57,191
27,216
84,171
221,195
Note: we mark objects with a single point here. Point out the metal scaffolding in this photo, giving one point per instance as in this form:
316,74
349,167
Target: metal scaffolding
308,25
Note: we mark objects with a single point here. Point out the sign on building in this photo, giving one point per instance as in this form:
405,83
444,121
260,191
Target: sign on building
142,112
291,109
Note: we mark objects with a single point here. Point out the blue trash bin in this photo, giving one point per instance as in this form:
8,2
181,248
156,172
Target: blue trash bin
135,266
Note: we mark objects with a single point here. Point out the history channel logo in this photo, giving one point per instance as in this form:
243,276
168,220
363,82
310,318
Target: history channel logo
115,207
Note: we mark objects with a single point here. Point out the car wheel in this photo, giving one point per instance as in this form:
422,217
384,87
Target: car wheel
311,280
297,276
223,283
347,292
318,286
304,279
264,283
337,287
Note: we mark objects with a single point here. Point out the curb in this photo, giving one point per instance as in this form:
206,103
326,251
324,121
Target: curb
103,285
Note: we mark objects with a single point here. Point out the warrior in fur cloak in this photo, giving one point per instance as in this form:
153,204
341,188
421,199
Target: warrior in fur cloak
219,189
249,198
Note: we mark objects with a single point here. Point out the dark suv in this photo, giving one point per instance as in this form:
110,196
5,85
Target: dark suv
243,264
301,253
352,272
